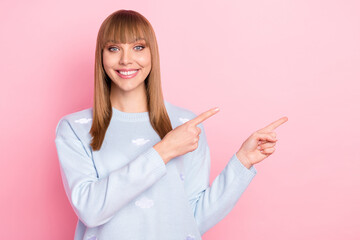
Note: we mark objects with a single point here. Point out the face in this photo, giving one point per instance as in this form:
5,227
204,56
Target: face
127,65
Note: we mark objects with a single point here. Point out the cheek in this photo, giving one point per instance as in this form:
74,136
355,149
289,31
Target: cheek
145,60
107,64
108,61
105,61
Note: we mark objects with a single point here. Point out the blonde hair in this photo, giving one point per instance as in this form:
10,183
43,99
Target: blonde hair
126,26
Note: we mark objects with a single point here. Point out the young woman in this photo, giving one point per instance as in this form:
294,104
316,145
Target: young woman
135,166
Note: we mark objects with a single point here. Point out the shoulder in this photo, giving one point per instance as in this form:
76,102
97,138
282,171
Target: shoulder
178,115
79,121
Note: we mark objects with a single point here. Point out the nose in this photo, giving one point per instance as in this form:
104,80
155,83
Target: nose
126,56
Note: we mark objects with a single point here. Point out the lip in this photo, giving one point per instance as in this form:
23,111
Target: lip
127,69
127,76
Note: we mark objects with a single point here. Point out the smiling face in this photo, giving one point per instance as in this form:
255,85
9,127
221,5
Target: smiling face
127,65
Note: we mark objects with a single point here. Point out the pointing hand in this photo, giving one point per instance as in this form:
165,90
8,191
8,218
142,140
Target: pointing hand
184,138
259,145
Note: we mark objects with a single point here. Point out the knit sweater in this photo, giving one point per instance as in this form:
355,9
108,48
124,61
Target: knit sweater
126,191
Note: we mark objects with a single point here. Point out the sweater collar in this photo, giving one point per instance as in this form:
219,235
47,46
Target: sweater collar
130,116
133,116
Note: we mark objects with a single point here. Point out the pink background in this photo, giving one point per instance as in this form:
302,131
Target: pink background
257,60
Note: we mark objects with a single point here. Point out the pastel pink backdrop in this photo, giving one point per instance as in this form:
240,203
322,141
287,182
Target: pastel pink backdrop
257,60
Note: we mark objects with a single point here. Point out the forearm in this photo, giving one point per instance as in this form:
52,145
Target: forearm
213,204
96,200
242,158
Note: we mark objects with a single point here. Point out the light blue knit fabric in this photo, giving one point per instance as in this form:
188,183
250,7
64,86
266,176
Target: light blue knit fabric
126,191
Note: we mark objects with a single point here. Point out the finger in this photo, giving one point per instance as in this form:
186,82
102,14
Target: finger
275,124
261,142
264,137
266,145
199,130
267,150
272,134
203,116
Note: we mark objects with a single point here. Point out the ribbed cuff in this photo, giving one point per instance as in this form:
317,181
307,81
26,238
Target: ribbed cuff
241,169
156,160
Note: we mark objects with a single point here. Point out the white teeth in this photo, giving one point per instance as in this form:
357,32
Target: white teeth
128,73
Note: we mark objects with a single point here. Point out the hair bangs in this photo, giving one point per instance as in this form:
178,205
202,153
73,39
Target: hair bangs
125,29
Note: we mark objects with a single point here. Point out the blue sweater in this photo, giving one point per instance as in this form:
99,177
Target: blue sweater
126,191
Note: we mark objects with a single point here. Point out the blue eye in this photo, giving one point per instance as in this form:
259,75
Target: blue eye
142,47
111,48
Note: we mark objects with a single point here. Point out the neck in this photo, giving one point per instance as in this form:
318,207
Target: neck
132,101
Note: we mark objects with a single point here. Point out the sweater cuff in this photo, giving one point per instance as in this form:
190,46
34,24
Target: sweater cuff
157,161
247,173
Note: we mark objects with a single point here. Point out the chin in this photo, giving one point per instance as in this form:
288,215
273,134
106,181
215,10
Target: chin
129,87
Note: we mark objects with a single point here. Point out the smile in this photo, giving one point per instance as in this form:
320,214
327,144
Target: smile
127,74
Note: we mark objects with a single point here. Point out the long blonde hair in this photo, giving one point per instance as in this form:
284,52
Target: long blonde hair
126,26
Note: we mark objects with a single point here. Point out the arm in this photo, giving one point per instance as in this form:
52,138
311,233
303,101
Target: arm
96,200
211,204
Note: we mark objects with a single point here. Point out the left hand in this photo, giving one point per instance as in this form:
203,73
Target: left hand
259,145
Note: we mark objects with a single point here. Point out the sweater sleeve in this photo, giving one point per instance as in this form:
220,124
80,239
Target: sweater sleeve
96,200
211,204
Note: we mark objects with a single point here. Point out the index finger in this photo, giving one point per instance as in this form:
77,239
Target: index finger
203,116
275,124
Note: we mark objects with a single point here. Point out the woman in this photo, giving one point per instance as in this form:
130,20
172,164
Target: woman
136,166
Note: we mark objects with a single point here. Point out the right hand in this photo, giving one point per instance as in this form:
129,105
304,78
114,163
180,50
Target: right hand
183,139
